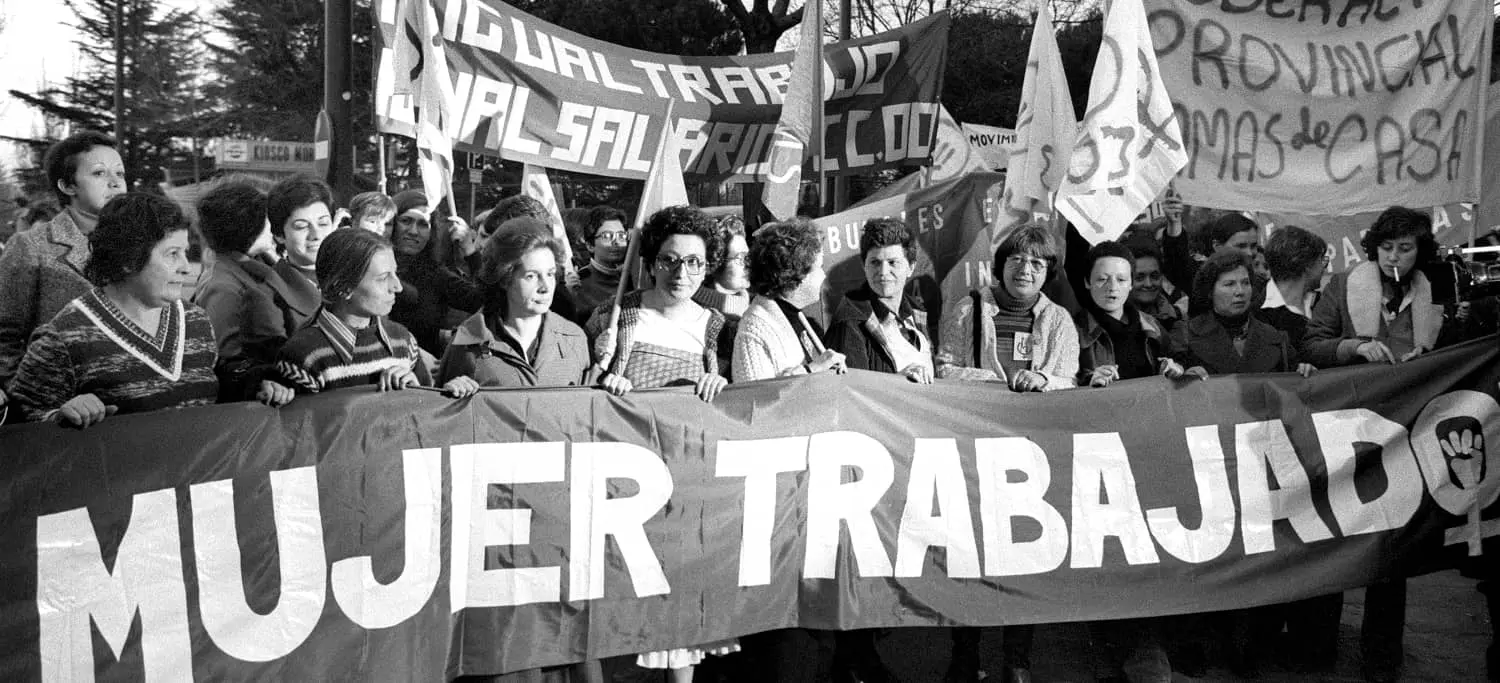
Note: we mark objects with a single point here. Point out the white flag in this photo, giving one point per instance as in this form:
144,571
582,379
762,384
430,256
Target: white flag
1045,129
421,63
1129,147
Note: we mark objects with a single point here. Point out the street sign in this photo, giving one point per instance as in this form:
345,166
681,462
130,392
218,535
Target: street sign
321,136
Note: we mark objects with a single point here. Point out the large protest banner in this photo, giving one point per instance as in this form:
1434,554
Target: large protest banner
1452,224
1334,107
407,536
527,90
1488,218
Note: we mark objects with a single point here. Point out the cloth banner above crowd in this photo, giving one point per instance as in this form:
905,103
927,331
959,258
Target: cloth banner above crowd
1336,107
527,90
354,534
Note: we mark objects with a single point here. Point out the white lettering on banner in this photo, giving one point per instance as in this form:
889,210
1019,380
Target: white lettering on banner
1002,501
476,467
1452,439
513,139
833,504
540,58
1341,433
1216,530
359,594
653,71
596,515
759,461
481,26
936,476
77,593
1259,446
234,626
1105,503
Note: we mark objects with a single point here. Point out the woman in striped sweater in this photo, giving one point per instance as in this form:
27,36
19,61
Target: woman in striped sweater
350,342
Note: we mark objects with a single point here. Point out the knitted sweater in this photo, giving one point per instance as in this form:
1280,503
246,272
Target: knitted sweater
328,355
630,318
92,348
1054,342
765,345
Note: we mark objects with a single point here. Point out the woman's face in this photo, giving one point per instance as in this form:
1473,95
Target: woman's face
377,290
165,274
304,231
529,292
1023,275
1109,284
412,231
99,178
735,276
378,223
1399,253
1147,281
886,271
811,286
680,265
1232,292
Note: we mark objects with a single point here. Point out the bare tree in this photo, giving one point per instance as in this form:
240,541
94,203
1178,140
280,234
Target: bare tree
762,24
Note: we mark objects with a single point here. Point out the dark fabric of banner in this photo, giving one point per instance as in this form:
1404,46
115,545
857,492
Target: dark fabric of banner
124,540
527,90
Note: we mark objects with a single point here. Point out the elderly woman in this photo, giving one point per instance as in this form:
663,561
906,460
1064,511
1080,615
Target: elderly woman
1012,332
349,342
430,290
786,273
879,326
516,340
131,345
42,268
1117,341
1229,339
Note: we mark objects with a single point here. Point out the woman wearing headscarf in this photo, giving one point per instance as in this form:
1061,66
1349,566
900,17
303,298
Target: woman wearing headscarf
430,290
880,326
130,345
774,338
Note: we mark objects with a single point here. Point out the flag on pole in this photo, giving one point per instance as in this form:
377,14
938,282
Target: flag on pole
1045,129
536,184
799,131
421,66
664,184
1130,146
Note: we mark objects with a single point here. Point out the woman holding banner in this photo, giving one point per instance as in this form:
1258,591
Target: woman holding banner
879,326
1117,340
130,345
516,340
786,273
1229,339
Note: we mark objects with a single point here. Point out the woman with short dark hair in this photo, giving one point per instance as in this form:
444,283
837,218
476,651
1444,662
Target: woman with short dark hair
1229,339
300,209
516,340
880,326
786,273
1117,341
42,269
130,345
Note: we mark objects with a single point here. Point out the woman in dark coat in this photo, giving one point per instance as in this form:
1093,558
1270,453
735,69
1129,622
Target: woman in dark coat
879,325
1228,338
429,289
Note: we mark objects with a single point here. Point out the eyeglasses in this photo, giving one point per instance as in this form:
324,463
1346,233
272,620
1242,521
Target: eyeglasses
692,264
616,238
736,258
1027,262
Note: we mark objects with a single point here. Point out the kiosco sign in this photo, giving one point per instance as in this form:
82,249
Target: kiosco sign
265,155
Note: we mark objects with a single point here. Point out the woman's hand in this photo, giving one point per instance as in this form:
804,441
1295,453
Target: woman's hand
1413,354
397,378
1196,371
83,410
1028,380
709,386
274,394
919,373
1104,375
1306,369
1376,352
461,387
616,384
1171,369
463,237
828,360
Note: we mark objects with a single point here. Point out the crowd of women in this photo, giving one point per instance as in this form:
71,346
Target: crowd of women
100,314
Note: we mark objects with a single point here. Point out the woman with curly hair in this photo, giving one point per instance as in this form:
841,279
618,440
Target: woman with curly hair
786,273
664,337
880,326
131,345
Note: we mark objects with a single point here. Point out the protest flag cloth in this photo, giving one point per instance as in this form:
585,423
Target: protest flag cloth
421,66
1045,129
1130,146
536,184
799,130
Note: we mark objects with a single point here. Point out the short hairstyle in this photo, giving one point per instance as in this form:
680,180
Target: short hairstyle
600,215
1395,223
782,255
1032,239
370,204
516,206
130,226
294,193
1210,272
61,160
1143,248
1107,249
231,215
407,200
343,260
504,251
887,232
681,220
728,226
1225,227
1292,250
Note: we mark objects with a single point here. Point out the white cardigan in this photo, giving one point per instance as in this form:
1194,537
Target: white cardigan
765,345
